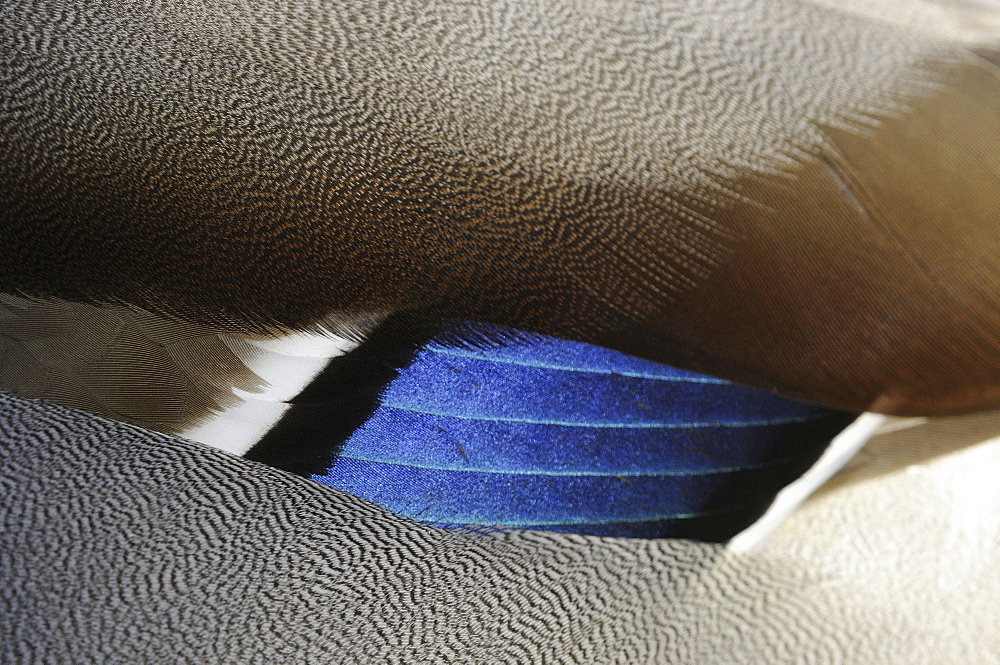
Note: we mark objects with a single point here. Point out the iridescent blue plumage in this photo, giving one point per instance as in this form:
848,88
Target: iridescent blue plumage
537,432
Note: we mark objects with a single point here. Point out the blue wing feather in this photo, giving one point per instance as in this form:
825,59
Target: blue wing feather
536,432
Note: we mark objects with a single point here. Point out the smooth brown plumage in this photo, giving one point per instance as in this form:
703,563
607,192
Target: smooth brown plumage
778,193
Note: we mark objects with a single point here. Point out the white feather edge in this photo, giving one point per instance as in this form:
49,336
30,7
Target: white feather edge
840,451
287,364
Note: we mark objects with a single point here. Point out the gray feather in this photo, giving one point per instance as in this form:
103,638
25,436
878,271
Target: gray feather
120,545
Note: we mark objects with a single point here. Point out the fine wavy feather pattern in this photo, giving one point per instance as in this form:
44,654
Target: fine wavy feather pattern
529,431
800,195
674,179
126,546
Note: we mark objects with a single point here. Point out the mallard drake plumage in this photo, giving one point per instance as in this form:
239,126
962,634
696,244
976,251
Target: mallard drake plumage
122,545
203,206
212,212
799,198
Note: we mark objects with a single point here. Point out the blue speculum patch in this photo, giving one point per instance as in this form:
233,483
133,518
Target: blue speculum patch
536,432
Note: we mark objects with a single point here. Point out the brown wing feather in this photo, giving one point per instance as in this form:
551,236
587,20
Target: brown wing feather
119,362
871,277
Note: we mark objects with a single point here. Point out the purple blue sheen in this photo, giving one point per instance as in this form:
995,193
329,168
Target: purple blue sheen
537,432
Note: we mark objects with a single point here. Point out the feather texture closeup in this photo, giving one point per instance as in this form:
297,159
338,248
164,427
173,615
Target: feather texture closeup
532,272
121,545
534,432
788,195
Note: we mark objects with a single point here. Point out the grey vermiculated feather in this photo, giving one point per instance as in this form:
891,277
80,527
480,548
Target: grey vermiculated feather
783,193
122,545
800,195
